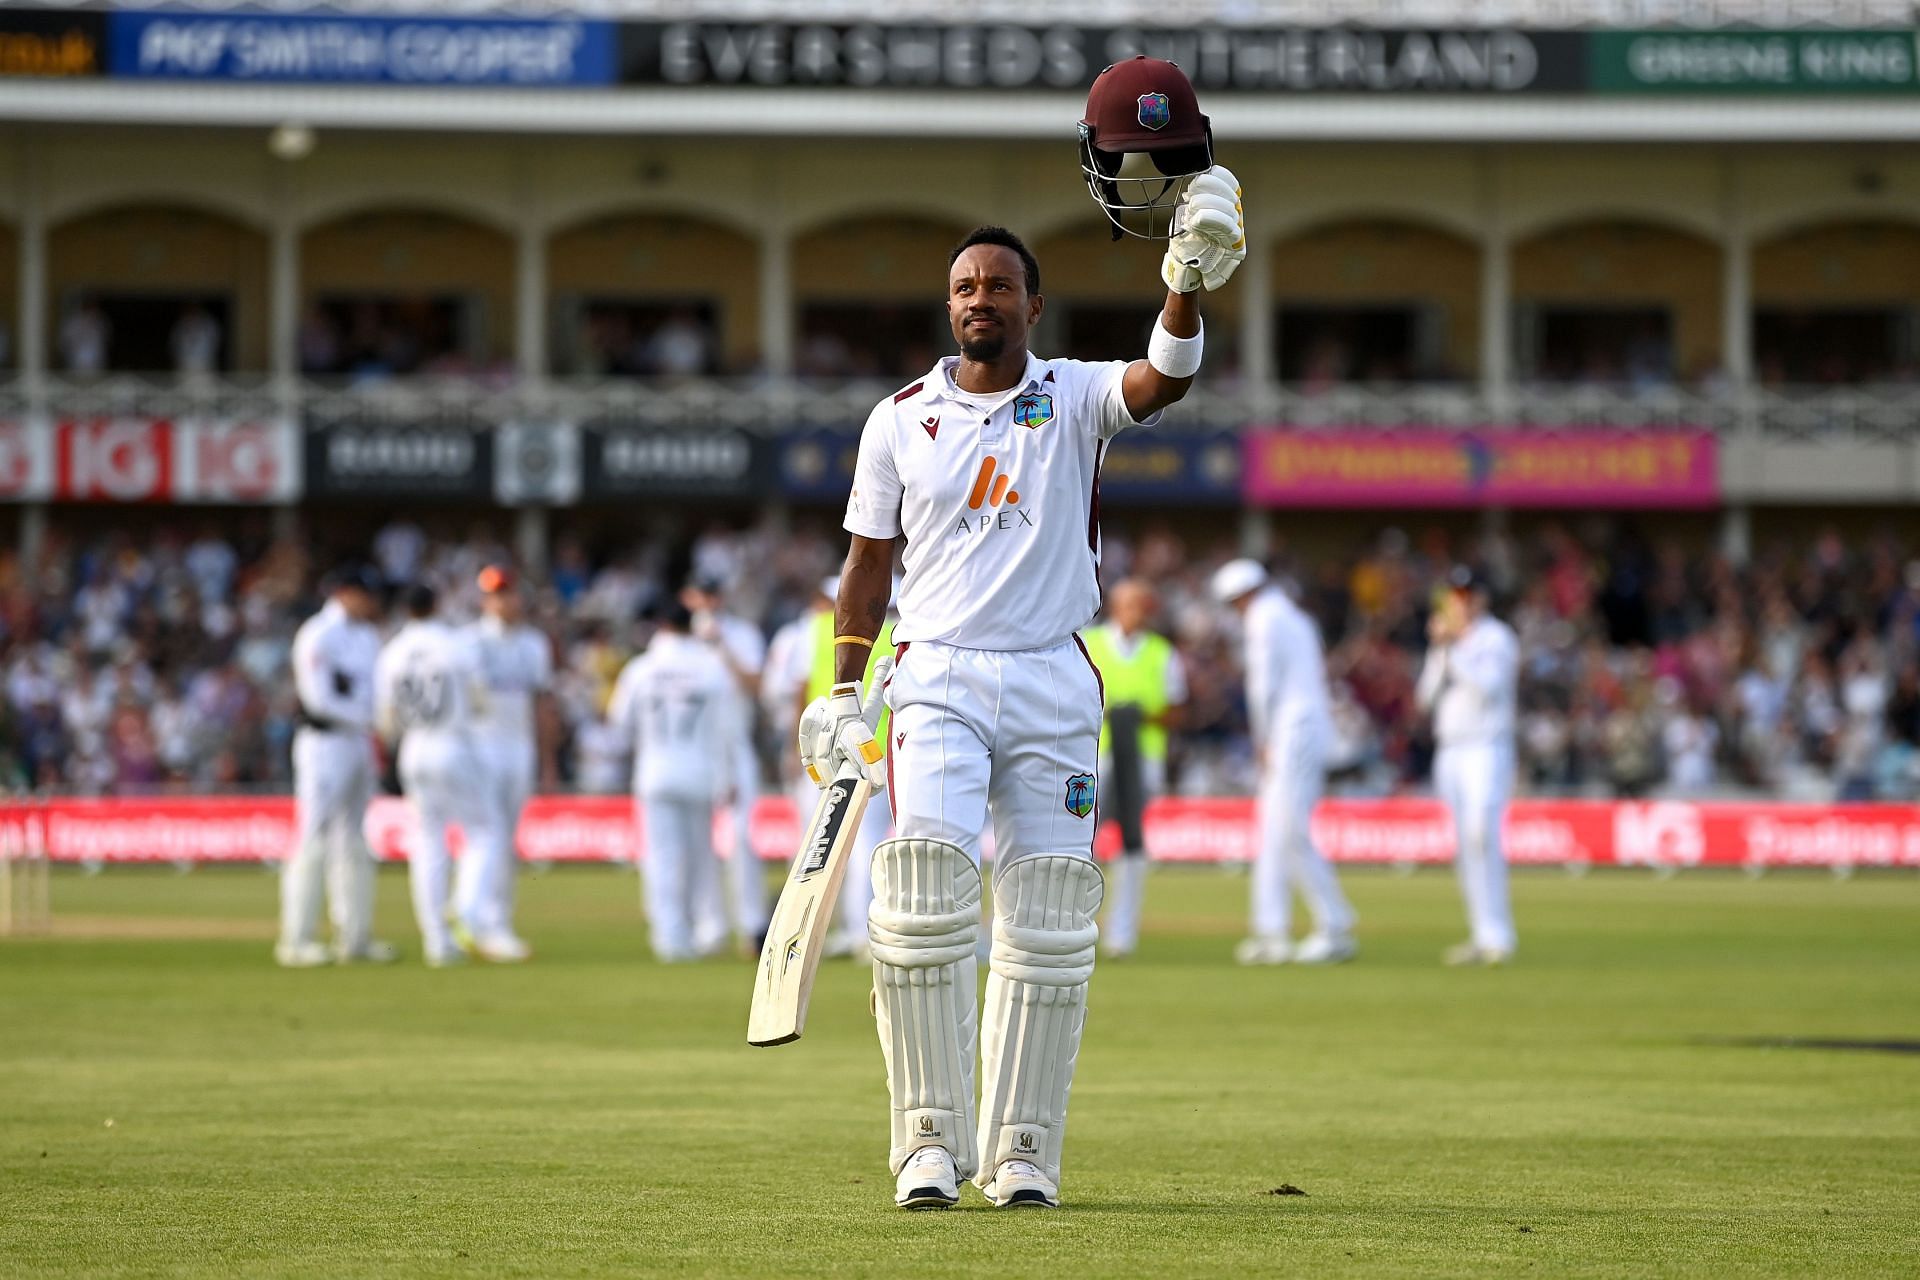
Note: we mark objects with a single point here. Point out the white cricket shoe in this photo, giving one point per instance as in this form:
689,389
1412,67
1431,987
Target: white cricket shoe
838,946
375,952
1263,949
1468,954
1019,1184
929,1180
447,957
502,948
301,955
1326,948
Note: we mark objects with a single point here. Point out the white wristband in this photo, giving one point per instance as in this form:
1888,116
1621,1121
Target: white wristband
1175,357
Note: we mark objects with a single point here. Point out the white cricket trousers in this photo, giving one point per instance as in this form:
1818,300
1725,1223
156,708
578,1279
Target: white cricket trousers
446,785
1286,857
1475,781
511,765
743,903
677,866
977,732
333,780
1127,874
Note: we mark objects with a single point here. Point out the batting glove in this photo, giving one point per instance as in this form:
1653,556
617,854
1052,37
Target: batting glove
837,730
1209,233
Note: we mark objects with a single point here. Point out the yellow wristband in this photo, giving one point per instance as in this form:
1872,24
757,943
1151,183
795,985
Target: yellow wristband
859,640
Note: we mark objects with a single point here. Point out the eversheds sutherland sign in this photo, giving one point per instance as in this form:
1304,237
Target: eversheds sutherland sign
1251,59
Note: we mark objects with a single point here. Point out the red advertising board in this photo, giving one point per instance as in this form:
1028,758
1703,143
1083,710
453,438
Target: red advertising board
137,459
600,828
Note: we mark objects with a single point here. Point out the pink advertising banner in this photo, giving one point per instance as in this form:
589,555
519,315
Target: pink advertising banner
1421,467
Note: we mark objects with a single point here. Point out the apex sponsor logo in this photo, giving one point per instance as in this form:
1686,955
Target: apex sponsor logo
996,500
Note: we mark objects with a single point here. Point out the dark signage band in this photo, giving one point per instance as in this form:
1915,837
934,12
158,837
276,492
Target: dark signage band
355,460
1249,59
53,43
621,461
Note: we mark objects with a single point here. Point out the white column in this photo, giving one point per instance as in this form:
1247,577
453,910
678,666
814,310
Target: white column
1736,533
530,531
283,302
1736,279
1496,286
530,301
777,317
530,273
33,274
1258,368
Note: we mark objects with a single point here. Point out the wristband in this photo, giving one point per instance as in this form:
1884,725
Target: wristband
1175,357
859,640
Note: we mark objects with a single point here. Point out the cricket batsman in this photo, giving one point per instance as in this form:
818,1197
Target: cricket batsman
989,468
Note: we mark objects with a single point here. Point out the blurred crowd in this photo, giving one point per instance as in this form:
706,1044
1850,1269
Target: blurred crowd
157,662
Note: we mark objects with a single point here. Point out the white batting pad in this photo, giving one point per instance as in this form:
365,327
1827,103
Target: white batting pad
922,925
1043,939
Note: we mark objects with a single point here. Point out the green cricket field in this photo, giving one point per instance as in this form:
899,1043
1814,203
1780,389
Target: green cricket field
1704,1075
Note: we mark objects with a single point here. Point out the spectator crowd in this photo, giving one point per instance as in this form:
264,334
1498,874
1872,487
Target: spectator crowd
158,662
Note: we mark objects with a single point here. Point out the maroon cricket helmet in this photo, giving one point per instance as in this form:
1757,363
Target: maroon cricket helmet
1142,138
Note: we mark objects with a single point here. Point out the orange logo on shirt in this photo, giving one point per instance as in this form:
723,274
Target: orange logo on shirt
990,489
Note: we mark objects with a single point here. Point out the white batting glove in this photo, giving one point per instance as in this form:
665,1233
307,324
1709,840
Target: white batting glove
1209,233
838,729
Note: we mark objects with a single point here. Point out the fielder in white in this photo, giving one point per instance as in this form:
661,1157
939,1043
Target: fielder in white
517,661
1287,711
334,773
678,705
989,467
430,699
743,650
1470,684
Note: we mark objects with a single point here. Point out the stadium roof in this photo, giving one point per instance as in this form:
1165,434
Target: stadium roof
1681,14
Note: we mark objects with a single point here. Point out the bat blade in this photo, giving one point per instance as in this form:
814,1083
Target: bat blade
804,914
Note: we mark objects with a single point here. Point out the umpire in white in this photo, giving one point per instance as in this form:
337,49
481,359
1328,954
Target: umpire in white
1287,711
1469,685
333,777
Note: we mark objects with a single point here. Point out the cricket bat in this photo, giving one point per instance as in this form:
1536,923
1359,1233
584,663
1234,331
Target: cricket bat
804,914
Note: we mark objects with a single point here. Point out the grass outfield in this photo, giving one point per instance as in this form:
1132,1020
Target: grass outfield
170,1103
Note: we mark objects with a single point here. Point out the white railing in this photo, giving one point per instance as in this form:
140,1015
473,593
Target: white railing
1867,414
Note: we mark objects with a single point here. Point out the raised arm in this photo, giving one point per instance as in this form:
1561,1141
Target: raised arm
1208,245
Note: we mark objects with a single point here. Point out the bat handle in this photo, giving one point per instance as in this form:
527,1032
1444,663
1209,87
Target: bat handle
877,689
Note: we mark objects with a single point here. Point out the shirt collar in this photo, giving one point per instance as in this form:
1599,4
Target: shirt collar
940,381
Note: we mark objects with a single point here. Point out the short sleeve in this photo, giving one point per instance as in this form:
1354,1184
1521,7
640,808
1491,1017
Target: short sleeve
873,508
1107,400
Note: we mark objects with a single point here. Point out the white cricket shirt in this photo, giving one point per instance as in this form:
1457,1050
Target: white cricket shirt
428,682
518,663
1286,670
1472,685
333,659
677,707
998,497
